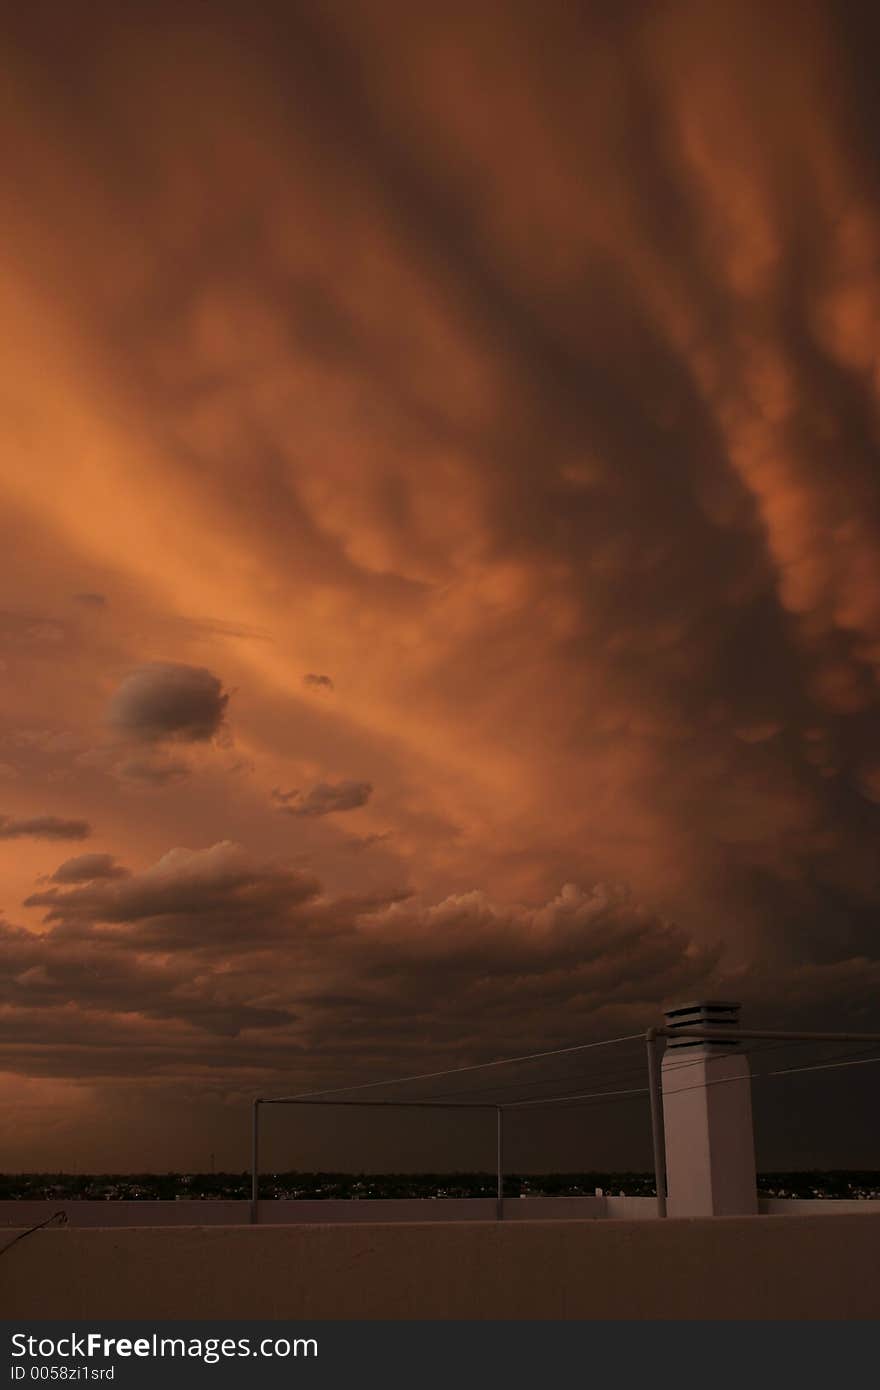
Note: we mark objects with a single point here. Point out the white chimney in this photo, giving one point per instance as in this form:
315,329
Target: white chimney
707,1112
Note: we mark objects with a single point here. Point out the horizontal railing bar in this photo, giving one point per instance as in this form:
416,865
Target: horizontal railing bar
732,1034
410,1104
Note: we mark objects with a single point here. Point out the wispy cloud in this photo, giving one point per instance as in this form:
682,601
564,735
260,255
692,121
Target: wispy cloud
43,828
324,798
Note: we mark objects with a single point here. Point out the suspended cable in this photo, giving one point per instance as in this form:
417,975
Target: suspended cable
451,1071
701,1086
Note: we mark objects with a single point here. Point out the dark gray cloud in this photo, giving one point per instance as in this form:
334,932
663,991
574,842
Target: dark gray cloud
221,941
324,798
86,976
217,899
216,964
190,939
362,842
318,682
91,600
83,868
169,700
44,828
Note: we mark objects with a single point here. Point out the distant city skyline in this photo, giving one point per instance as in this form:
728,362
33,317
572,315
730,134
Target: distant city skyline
292,1186
440,556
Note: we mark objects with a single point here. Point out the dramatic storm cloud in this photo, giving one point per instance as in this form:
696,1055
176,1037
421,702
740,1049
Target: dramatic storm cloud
169,700
222,940
516,363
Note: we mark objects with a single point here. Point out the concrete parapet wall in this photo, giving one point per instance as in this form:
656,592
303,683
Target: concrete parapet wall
629,1208
820,1206
381,1210
825,1267
285,1213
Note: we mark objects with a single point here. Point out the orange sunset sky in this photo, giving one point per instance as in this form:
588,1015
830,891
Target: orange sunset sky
439,539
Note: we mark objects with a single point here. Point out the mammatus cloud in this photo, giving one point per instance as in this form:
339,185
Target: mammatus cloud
44,828
318,682
84,868
589,541
324,799
168,700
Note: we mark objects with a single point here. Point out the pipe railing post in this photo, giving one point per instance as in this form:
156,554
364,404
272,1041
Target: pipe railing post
255,1162
499,1163
658,1137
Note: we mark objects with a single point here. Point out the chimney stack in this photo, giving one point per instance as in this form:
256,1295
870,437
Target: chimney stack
707,1111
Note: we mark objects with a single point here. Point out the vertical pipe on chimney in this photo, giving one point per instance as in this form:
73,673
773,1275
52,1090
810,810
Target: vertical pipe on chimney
255,1161
499,1163
658,1139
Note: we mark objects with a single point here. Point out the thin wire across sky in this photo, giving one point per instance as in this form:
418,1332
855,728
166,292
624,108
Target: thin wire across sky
445,1100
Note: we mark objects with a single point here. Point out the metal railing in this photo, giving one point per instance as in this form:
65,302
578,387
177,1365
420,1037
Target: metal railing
654,1039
